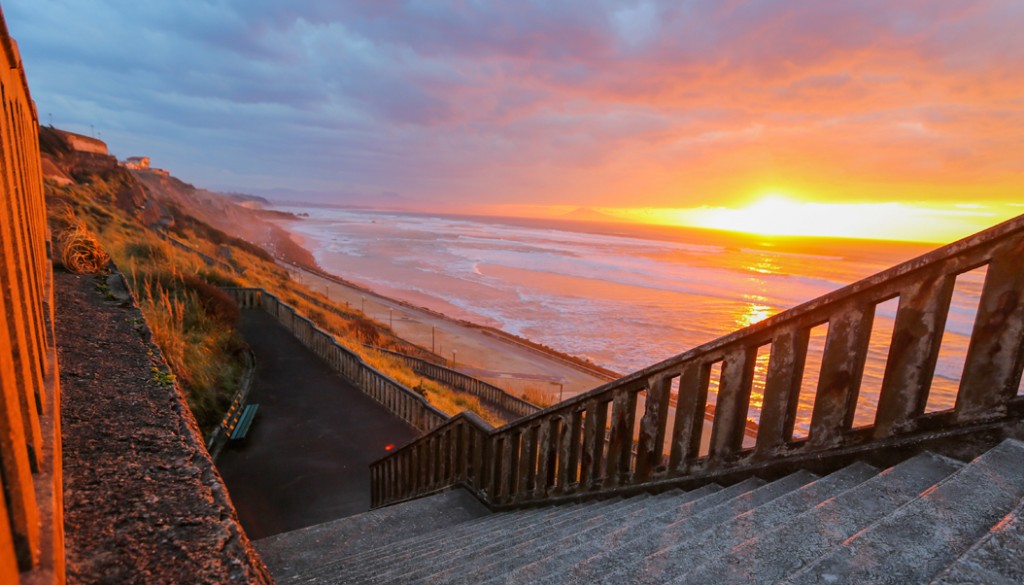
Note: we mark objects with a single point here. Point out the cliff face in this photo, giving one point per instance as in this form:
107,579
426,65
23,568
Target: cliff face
228,214
95,166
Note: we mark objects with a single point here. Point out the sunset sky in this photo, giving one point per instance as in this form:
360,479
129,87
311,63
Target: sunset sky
724,113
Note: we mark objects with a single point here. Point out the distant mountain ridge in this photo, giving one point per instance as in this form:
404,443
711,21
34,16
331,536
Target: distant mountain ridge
589,214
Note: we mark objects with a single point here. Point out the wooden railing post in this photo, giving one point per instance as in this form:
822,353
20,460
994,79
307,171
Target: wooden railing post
996,354
689,423
620,445
842,367
652,427
782,389
913,352
527,462
731,406
546,454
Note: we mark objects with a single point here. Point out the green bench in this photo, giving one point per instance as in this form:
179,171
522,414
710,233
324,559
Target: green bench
241,427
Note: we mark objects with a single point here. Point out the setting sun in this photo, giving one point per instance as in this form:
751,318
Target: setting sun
776,214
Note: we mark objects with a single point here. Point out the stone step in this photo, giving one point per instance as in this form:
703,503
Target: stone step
397,552
921,538
510,543
996,558
554,561
680,507
290,553
928,519
764,518
566,540
434,550
630,558
772,556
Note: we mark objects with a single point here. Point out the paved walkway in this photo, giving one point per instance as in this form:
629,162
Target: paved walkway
305,460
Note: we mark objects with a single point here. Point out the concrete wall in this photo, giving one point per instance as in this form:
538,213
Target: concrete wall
84,143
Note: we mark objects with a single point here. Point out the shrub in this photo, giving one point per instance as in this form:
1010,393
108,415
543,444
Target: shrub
217,304
146,250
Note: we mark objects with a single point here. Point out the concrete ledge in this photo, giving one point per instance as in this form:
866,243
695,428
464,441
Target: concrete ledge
143,501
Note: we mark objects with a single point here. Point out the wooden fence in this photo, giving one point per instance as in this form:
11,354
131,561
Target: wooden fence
456,379
584,446
400,400
31,514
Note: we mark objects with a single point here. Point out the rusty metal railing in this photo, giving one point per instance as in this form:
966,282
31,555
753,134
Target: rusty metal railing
584,446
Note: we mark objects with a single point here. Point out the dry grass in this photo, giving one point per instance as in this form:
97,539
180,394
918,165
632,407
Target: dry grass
452,402
536,396
445,399
80,250
197,345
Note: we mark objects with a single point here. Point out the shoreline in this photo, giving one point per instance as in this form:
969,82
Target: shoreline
539,368
494,357
517,365
547,352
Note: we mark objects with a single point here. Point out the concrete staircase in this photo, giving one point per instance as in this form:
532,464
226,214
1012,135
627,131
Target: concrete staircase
929,519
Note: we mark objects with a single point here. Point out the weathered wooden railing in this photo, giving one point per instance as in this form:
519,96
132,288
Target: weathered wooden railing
458,380
400,400
31,517
582,446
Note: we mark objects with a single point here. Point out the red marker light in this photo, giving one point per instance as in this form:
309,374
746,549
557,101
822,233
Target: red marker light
389,446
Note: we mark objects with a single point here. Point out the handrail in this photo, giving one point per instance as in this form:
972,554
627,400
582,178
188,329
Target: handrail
31,516
460,381
584,445
402,401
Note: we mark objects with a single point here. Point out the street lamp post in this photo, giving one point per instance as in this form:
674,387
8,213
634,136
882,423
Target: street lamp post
560,388
454,351
362,307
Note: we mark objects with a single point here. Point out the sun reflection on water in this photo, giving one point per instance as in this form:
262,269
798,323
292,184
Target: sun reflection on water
753,313
765,265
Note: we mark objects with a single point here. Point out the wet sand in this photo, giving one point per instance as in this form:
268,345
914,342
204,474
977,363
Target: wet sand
475,351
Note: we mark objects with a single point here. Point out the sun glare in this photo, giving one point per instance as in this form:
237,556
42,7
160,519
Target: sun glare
776,214
771,215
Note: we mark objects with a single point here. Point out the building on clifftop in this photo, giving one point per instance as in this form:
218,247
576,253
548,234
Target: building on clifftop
137,163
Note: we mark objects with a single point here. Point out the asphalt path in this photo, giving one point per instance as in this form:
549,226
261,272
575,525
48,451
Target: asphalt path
306,458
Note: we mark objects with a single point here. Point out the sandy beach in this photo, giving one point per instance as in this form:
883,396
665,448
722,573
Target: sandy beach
475,351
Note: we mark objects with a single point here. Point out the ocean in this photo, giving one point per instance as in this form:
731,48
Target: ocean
622,296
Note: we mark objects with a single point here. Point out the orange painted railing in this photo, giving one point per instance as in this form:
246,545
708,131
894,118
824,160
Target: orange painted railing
620,437
31,517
